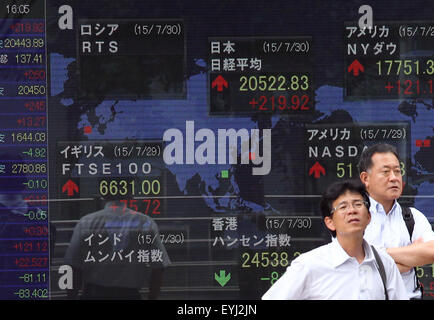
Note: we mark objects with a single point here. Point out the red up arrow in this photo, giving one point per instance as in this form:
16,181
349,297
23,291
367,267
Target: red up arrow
219,82
356,67
317,169
70,186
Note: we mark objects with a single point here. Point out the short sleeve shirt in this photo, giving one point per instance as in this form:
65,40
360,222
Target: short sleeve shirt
389,230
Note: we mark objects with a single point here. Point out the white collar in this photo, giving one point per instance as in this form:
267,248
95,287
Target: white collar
340,256
376,206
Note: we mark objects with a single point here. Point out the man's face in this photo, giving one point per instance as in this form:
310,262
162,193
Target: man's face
350,215
383,180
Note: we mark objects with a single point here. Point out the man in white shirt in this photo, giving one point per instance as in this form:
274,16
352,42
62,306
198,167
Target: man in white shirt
346,268
380,171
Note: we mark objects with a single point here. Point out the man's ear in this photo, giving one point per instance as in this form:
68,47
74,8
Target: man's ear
328,221
364,177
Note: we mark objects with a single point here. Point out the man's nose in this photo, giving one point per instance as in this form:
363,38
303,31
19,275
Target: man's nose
393,176
352,210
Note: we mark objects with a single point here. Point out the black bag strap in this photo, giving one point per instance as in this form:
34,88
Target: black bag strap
381,270
409,222
408,219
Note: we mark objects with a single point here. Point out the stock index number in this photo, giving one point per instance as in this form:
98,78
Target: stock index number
274,83
345,170
265,259
124,187
407,67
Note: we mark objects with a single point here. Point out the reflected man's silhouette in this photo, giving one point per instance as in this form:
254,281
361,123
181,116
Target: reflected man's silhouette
114,252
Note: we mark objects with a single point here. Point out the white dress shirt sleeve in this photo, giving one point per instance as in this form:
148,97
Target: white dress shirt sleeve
422,227
291,285
395,286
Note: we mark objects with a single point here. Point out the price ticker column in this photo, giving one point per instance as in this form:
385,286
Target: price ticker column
24,227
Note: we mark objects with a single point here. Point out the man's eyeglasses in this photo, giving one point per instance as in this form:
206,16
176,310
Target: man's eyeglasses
344,206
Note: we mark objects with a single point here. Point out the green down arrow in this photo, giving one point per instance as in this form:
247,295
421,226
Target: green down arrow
222,279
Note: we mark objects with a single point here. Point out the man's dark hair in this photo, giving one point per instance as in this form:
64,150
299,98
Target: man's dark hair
337,189
365,162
